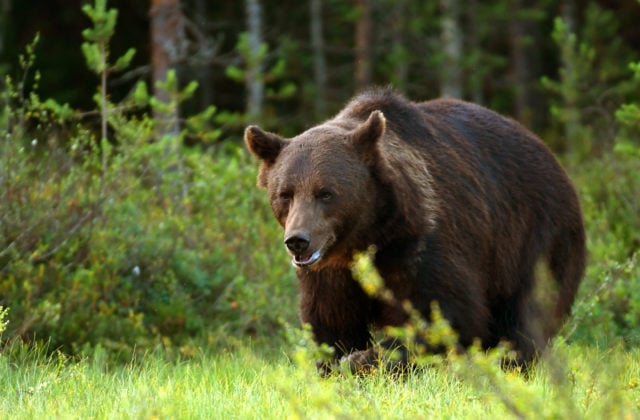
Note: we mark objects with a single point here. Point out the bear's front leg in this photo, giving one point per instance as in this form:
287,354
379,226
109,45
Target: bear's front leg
361,361
392,354
337,309
356,340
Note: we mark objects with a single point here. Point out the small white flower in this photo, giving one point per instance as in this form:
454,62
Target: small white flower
136,271
34,142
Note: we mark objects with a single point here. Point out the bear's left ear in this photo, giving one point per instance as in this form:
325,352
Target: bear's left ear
265,146
365,136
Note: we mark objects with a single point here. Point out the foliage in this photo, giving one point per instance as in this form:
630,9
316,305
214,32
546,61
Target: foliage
97,54
268,68
610,295
406,49
592,82
131,265
3,322
96,49
130,241
628,115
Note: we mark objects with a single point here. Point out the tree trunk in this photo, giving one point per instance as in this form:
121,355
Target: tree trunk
476,76
5,9
398,24
451,35
166,35
167,38
254,81
519,63
572,117
537,101
363,46
204,72
319,63
524,39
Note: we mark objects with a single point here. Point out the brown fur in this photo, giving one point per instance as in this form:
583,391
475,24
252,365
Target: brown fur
460,202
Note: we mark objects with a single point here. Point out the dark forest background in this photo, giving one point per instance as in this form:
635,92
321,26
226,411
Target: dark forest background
129,216
494,52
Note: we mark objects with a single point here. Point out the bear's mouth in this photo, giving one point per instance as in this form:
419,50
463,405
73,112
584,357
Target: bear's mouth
306,260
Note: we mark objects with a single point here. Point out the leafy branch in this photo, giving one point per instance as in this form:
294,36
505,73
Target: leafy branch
97,54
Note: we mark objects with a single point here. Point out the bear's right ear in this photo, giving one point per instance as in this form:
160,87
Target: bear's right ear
265,146
366,136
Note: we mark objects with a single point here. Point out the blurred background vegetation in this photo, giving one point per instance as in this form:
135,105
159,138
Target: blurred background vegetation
129,218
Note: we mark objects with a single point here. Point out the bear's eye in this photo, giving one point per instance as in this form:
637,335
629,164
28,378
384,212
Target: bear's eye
285,195
325,195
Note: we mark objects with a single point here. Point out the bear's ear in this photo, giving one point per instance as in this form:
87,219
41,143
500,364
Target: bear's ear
365,136
265,146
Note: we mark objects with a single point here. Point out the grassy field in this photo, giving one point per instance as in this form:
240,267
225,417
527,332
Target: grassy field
578,382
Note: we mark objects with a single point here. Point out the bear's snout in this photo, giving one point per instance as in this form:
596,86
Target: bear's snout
299,246
298,242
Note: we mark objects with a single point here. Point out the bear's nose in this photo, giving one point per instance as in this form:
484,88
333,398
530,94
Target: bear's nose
297,243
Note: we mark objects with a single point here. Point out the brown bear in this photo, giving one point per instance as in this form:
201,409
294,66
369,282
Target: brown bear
461,204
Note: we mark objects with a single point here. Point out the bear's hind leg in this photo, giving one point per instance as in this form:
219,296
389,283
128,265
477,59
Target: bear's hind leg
515,320
567,259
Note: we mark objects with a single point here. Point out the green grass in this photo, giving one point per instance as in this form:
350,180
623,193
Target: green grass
249,383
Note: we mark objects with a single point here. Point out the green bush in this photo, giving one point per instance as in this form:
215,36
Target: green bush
87,260
592,84
609,300
134,242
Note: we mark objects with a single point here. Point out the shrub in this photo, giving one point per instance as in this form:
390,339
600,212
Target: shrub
130,242
87,260
592,84
609,300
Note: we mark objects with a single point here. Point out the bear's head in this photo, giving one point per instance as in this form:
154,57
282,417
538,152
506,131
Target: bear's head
323,187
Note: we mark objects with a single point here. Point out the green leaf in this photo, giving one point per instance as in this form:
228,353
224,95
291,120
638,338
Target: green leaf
92,55
288,90
234,73
141,94
159,105
635,68
278,69
189,90
125,60
61,111
170,83
627,149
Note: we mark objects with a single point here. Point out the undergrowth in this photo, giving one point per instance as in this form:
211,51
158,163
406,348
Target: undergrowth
124,237
260,381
